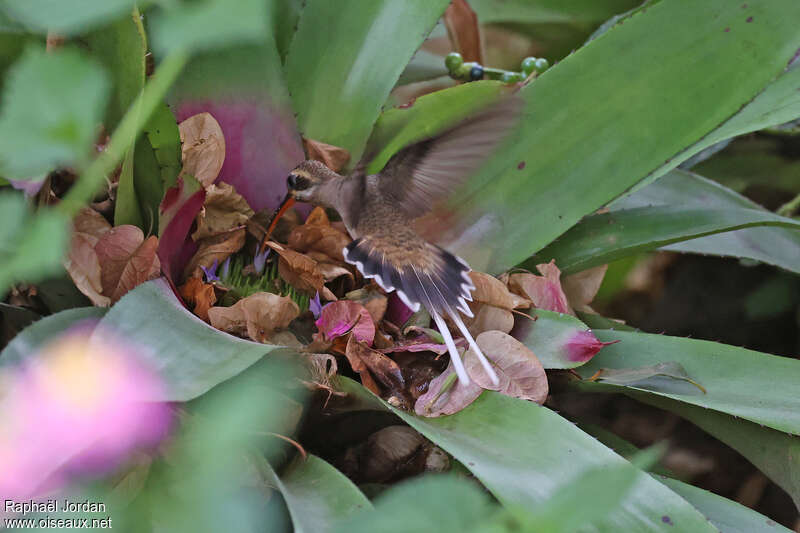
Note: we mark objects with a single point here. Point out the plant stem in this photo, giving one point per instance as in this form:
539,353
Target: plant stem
790,208
123,137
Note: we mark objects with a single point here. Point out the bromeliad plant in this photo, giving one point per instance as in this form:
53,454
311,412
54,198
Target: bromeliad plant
591,174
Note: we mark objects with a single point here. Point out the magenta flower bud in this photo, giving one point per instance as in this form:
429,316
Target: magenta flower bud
397,312
583,345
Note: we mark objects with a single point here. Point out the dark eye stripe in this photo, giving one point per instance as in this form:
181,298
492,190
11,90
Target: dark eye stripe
301,183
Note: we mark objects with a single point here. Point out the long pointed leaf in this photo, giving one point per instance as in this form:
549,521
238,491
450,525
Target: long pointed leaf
346,57
748,384
317,494
600,239
773,245
523,452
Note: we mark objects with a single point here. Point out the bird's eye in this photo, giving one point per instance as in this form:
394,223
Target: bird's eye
297,183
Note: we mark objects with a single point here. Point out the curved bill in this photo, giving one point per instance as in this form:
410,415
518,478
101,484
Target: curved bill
288,202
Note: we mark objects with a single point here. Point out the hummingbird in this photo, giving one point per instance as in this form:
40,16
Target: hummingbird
378,211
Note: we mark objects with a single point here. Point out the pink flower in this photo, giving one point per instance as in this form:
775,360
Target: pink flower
583,345
337,318
78,406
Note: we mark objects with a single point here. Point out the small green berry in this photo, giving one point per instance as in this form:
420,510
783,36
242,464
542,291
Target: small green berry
453,61
528,65
476,73
541,65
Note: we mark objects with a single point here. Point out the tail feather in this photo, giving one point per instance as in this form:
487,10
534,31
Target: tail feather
436,279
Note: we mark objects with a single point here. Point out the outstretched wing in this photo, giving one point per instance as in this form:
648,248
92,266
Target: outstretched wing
420,176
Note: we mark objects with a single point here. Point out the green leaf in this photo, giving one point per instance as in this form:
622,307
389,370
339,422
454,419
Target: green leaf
540,11
148,181
727,515
316,494
451,504
52,104
125,134
45,330
522,453
643,376
772,245
193,357
603,238
165,142
340,70
585,500
285,15
775,453
430,114
126,209
66,17
210,480
121,48
570,156
210,24
31,244
548,336
748,384
422,67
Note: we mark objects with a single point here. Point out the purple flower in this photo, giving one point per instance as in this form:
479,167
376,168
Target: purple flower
315,306
211,272
226,268
260,261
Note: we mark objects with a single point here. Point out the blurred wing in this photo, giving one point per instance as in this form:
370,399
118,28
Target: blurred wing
423,174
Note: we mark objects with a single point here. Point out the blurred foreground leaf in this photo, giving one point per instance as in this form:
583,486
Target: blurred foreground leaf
32,245
65,17
41,332
316,494
193,357
51,107
210,24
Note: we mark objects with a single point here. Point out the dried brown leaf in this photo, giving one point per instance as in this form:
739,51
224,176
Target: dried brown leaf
317,235
543,291
199,295
520,372
203,147
217,248
83,267
90,222
492,291
223,210
488,318
366,361
259,316
298,269
456,397
582,287
464,31
332,271
334,157
126,260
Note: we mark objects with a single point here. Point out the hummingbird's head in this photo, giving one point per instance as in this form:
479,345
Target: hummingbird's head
306,182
